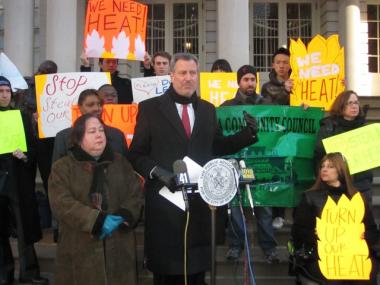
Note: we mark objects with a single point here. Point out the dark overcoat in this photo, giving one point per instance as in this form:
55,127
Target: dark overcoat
81,257
18,192
160,139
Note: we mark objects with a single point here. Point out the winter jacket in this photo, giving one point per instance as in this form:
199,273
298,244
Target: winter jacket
331,126
81,257
304,235
241,99
19,189
274,90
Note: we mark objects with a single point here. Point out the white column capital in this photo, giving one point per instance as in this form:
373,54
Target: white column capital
352,43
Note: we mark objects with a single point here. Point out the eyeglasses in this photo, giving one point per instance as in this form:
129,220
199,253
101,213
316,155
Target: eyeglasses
352,103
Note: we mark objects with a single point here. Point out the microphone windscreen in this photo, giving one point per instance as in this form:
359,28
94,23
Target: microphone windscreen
242,164
179,166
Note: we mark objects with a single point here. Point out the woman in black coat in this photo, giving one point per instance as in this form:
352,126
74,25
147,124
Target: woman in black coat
333,181
345,115
18,205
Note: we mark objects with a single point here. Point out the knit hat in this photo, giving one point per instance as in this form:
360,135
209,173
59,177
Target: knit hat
5,82
245,69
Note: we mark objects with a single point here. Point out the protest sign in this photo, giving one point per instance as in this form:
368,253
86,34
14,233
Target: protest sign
147,87
10,71
217,87
12,134
360,147
318,71
343,252
282,159
120,116
115,29
56,93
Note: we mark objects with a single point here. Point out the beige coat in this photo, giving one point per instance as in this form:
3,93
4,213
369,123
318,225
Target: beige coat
81,257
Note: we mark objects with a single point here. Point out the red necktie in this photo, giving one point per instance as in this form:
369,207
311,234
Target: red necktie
186,121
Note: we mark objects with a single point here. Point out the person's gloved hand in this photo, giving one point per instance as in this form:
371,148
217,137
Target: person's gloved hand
251,123
111,223
166,177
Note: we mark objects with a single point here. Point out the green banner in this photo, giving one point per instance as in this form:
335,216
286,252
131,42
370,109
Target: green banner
282,159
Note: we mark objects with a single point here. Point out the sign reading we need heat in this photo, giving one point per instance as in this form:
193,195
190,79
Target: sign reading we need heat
115,29
318,71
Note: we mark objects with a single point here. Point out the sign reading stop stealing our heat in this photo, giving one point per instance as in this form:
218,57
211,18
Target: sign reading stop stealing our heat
317,71
343,252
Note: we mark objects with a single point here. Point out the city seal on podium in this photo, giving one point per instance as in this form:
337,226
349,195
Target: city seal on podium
218,182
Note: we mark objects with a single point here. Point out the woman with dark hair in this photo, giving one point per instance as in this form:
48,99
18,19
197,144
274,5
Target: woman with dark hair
345,115
97,199
221,65
89,102
333,181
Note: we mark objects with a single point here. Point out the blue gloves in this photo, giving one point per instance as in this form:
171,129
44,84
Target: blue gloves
111,223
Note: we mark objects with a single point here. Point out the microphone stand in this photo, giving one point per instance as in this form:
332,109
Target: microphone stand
213,244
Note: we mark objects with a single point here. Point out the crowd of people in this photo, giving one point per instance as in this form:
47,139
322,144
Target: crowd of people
99,189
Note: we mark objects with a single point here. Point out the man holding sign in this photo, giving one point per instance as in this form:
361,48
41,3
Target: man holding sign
277,90
18,203
158,65
246,95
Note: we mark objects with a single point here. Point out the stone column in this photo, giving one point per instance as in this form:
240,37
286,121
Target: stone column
352,44
233,31
19,34
62,34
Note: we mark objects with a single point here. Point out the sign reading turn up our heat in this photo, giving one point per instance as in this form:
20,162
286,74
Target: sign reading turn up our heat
343,252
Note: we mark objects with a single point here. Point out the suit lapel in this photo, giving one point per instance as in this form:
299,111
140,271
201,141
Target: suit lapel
169,110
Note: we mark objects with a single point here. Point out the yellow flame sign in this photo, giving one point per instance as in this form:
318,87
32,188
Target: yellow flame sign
343,252
318,71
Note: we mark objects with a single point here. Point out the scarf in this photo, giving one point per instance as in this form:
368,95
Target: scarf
5,108
347,125
182,99
98,167
335,192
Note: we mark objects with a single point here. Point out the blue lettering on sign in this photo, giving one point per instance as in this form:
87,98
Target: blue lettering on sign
163,87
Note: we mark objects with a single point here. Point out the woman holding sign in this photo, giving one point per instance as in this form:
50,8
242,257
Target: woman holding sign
345,115
96,197
334,230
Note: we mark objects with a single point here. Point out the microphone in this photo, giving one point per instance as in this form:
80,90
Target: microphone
247,174
236,166
182,178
